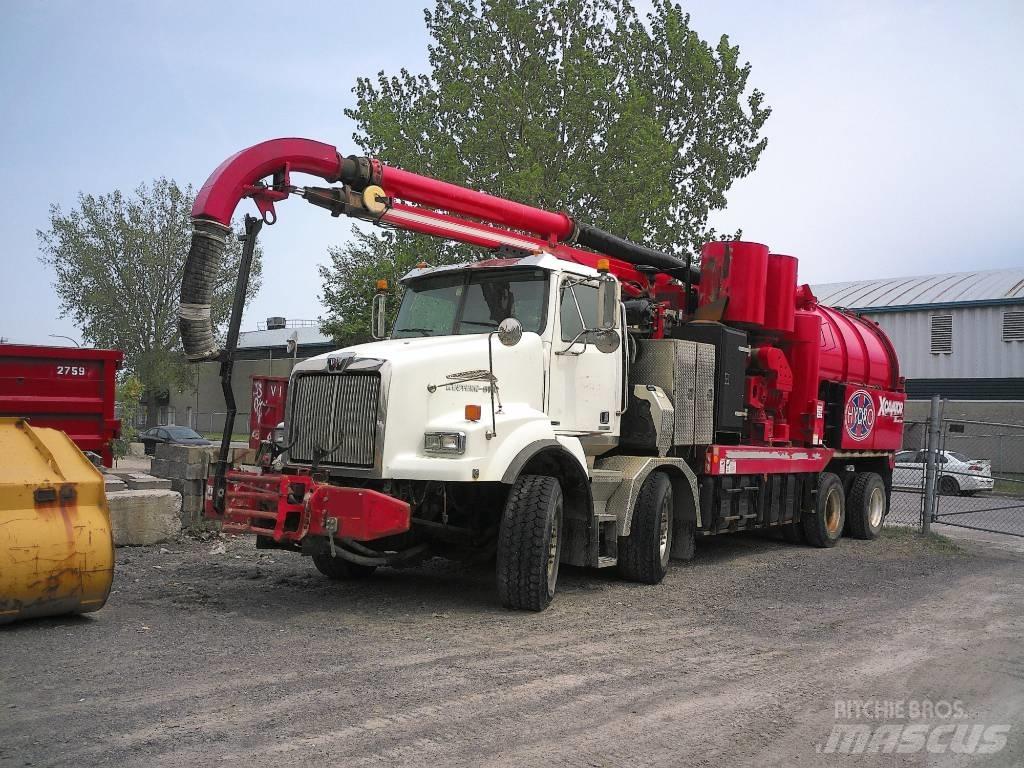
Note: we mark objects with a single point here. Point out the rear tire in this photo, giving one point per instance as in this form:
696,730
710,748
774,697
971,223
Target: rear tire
824,526
948,486
336,569
530,543
644,554
866,506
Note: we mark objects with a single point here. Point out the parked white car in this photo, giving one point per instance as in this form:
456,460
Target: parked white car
957,473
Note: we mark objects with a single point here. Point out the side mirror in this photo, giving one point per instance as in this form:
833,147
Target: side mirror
607,302
606,340
510,331
378,316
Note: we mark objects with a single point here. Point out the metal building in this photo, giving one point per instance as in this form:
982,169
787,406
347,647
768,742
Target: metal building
958,335
263,352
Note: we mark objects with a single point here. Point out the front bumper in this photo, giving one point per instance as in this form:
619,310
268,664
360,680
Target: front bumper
288,508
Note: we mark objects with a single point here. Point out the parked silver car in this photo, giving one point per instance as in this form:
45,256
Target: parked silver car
958,474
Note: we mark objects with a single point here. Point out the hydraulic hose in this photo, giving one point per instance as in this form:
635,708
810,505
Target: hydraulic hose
638,255
343,554
205,256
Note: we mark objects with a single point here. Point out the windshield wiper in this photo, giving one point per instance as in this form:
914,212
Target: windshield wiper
424,331
478,322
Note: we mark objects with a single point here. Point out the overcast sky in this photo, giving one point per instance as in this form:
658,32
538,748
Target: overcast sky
894,144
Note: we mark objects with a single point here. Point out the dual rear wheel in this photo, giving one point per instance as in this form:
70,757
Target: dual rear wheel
860,513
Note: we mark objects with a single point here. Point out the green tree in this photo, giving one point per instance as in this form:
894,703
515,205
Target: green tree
118,261
129,395
580,105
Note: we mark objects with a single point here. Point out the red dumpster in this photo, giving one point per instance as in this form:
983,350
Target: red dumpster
267,409
67,388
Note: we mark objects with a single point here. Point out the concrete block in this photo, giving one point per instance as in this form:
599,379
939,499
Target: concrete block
177,469
244,456
140,518
113,483
137,449
188,487
139,481
186,454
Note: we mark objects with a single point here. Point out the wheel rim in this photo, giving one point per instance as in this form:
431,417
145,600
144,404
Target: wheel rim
833,512
552,568
876,506
664,529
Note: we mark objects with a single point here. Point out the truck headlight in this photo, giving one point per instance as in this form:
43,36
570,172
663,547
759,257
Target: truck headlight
444,442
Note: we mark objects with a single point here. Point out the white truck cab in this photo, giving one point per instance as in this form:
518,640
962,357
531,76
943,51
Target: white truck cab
563,380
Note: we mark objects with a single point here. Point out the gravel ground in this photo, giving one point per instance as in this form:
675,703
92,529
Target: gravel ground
738,658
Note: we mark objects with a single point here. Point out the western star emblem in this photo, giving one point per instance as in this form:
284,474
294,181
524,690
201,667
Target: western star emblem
338,364
860,415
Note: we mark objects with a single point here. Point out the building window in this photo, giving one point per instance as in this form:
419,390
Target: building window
1013,326
942,334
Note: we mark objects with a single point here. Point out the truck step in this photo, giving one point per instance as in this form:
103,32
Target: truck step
607,562
606,476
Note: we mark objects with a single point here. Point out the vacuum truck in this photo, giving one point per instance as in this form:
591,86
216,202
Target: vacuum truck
568,397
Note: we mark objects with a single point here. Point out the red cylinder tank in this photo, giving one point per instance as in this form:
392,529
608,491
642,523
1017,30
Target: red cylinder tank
737,272
804,351
780,293
855,350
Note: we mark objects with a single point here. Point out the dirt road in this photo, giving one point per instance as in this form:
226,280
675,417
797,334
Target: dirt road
251,657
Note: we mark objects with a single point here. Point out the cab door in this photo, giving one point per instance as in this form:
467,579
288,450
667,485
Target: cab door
584,392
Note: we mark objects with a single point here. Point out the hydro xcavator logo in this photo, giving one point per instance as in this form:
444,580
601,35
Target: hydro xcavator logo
860,415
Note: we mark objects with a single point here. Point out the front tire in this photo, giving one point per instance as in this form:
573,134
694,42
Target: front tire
530,543
644,554
824,526
336,569
866,506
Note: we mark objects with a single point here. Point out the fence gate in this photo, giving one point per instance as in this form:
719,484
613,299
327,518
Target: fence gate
978,475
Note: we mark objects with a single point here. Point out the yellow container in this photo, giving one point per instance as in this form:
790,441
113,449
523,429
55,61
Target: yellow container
56,548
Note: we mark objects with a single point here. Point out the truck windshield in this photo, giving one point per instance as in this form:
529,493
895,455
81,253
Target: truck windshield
472,301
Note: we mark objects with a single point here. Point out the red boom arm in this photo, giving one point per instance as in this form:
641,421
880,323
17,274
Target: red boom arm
494,221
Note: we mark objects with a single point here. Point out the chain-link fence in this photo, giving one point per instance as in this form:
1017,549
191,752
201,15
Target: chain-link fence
906,503
960,472
980,476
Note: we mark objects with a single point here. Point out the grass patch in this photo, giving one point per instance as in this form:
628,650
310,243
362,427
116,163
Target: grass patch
237,437
912,541
1009,484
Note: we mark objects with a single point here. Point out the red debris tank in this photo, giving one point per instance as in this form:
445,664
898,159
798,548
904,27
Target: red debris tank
845,390
855,350
267,408
67,388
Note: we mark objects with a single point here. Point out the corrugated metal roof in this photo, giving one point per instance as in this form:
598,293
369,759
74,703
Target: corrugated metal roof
991,287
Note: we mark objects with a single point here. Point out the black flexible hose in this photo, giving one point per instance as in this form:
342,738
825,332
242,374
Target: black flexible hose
343,554
640,255
209,241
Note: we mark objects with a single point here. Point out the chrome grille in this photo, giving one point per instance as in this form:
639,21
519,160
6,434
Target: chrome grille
335,414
